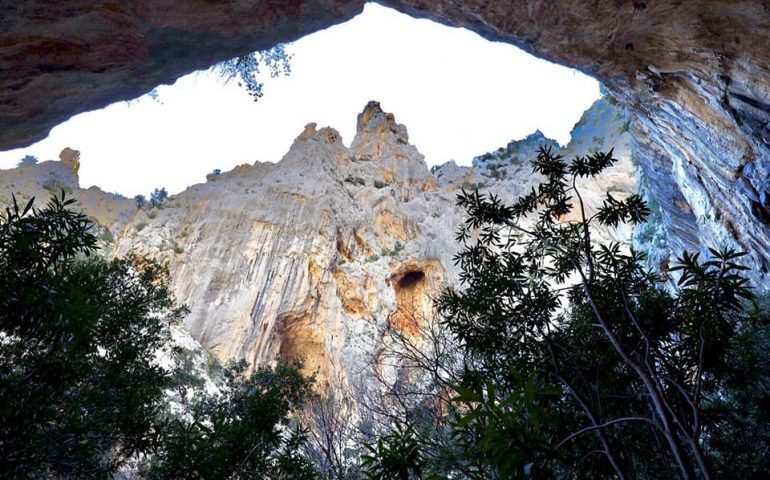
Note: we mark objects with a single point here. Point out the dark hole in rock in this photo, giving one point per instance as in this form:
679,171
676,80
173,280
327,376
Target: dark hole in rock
761,213
411,279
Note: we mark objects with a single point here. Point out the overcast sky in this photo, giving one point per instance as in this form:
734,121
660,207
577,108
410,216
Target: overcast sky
458,94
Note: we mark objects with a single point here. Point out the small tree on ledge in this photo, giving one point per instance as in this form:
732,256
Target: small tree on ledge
158,196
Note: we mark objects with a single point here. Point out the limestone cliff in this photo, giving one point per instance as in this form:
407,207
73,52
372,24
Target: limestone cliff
693,74
324,253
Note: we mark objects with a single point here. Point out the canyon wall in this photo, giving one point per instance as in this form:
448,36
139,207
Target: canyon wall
327,253
693,74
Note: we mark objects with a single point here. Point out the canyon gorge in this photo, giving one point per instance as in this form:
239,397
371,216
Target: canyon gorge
551,357
692,75
326,253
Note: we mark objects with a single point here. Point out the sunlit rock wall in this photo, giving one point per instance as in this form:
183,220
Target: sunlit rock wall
695,76
325,253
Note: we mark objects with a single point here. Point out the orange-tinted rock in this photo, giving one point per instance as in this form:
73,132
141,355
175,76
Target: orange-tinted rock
694,74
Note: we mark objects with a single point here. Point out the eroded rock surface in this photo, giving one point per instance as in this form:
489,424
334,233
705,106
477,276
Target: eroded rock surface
61,58
324,254
695,76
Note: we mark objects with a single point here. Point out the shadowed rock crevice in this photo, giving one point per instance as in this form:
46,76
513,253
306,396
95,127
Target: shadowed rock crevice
298,339
411,297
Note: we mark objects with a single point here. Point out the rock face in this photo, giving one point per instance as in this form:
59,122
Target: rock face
60,59
324,253
695,76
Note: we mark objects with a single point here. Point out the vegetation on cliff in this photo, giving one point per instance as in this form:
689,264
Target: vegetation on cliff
82,387
78,386
576,362
556,357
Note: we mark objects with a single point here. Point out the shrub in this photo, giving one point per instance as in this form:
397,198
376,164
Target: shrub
141,201
27,161
158,196
573,362
79,385
243,433
355,180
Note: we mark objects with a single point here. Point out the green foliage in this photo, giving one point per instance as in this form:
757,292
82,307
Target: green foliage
246,68
243,433
496,172
158,197
141,201
80,391
630,380
397,248
54,185
214,368
355,180
105,235
395,456
185,376
490,415
741,412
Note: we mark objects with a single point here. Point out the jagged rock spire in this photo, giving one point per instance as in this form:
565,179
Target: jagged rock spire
374,121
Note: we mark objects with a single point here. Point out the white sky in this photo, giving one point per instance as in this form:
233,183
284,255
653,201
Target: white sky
458,95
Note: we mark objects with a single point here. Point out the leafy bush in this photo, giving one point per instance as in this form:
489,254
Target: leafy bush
576,363
158,196
105,235
395,456
626,366
79,386
355,180
397,247
54,185
246,68
243,433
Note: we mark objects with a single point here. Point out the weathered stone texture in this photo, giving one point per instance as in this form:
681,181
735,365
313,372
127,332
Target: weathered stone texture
694,74
325,253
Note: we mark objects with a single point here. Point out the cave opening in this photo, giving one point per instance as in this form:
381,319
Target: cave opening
291,263
411,300
460,95
410,279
